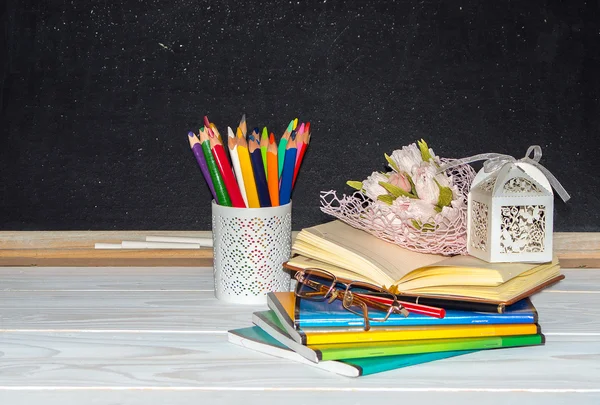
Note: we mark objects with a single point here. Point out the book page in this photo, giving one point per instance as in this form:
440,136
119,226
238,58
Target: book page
350,245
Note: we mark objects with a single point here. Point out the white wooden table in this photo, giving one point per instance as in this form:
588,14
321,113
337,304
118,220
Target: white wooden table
158,336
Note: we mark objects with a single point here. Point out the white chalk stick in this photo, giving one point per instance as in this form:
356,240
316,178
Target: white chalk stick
204,242
107,246
134,244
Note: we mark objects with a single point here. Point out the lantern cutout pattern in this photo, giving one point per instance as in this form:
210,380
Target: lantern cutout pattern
510,214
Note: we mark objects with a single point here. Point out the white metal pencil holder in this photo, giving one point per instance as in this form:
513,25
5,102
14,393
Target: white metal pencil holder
249,248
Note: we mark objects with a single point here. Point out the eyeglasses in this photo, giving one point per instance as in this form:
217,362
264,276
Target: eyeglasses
320,285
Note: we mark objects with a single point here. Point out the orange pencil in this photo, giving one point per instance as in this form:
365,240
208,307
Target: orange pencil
225,169
273,171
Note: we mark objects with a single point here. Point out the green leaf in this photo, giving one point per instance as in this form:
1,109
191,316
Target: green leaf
395,191
445,196
355,184
413,189
391,163
416,224
388,199
424,151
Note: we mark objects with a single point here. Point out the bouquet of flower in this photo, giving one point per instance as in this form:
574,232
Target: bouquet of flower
415,205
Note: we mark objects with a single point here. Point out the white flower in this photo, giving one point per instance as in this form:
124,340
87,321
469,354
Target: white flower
371,186
411,208
425,185
407,157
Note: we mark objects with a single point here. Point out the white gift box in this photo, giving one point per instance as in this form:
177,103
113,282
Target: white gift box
510,209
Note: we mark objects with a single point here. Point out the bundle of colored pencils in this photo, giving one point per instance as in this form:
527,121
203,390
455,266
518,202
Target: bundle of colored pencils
252,170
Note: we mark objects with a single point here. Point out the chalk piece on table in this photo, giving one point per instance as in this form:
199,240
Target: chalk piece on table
203,242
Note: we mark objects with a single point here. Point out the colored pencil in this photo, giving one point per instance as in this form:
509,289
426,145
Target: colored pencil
259,171
247,172
301,151
243,126
199,154
235,160
215,131
272,169
282,145
295,123
287,176
264,143
215,175
231,184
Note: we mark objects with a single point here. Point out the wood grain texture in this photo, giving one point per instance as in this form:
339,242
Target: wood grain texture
76,248
157,335
165,360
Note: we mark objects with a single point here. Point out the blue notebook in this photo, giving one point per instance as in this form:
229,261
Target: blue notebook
304,314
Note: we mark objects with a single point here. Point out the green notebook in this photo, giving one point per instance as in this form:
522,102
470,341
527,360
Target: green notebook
256,339
269,322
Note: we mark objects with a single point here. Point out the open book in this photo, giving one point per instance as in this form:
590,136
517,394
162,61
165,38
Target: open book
353,254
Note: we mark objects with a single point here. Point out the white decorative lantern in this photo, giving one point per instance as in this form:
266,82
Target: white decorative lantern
510,209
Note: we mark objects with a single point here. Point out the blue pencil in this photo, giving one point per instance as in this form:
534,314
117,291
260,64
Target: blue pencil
259,169
287,175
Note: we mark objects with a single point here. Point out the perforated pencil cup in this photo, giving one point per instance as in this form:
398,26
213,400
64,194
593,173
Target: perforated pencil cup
249,248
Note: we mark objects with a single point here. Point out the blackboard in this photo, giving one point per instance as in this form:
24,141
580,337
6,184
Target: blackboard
98,97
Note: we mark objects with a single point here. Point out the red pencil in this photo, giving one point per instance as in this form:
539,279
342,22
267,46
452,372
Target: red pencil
228,178
305,138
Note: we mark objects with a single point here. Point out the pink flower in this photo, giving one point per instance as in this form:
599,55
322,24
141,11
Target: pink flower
407,157
410,208
400,180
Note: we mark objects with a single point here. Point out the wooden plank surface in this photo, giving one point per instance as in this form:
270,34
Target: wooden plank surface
76,248
157,335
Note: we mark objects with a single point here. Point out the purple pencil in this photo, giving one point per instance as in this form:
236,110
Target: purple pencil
197,149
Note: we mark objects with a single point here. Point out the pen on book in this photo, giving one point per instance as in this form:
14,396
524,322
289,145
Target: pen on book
260,176
410,306
134,244
203,242
199,154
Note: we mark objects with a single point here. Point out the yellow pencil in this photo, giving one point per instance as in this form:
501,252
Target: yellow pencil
247,172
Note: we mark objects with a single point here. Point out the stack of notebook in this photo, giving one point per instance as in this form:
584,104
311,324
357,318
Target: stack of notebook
486,306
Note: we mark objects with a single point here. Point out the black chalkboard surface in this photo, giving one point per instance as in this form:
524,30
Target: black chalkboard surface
98,97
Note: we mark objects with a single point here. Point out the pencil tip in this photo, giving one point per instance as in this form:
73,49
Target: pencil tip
239,132
272,138
265,133
293,135
191,134
206,121
290,126
295,122
243,118
230,132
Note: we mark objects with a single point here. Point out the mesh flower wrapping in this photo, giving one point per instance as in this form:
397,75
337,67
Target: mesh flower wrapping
444,232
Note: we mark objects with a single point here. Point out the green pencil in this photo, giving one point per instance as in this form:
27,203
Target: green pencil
215,175
282,146
264,143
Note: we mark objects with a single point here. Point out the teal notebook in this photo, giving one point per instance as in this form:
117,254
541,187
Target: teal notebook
256,339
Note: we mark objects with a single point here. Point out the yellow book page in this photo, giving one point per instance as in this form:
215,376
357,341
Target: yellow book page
375,258
420,332
471,266
502,293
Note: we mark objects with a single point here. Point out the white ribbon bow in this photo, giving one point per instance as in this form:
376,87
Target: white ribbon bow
495,161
